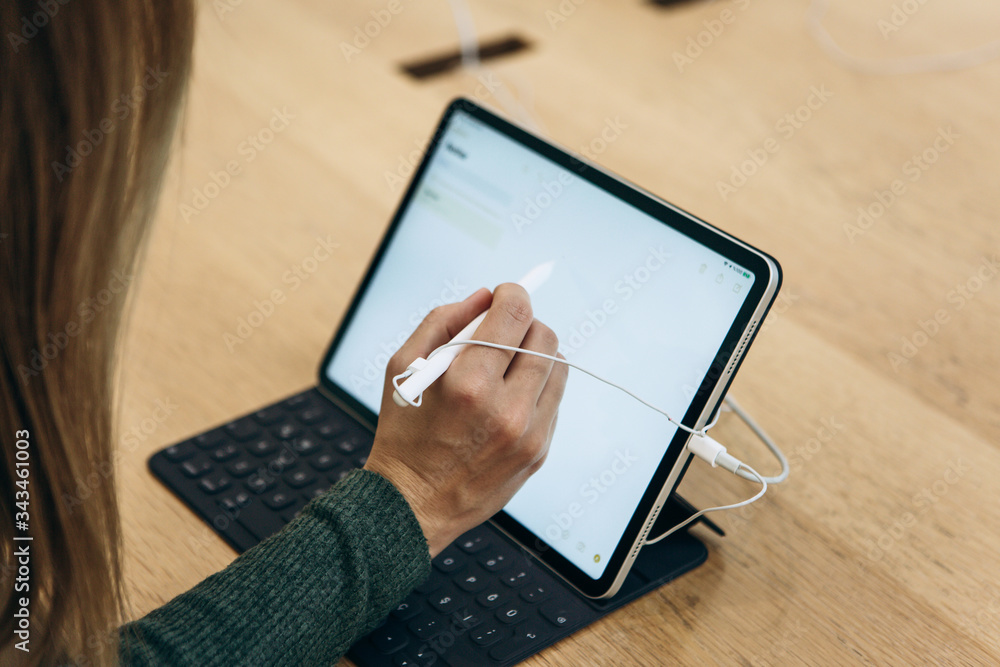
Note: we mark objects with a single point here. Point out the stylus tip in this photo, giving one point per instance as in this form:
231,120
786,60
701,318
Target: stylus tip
399,400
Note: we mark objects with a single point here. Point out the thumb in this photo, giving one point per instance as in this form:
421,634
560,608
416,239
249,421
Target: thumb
440,326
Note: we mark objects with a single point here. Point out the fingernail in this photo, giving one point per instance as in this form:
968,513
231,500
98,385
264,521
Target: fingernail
468,298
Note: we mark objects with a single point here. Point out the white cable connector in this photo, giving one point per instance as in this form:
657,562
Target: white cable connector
699,444
709,449
415,366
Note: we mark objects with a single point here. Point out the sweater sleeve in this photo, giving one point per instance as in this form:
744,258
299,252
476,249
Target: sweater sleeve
302,596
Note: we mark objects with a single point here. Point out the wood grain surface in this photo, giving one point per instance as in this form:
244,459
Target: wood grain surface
877,369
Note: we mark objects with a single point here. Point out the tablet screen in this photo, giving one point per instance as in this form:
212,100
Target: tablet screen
630,297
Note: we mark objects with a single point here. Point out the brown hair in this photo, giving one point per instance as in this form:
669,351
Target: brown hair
90,97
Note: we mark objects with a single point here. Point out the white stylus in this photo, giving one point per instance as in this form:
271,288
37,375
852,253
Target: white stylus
425,372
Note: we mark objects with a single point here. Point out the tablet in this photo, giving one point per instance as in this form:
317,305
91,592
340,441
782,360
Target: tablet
640,292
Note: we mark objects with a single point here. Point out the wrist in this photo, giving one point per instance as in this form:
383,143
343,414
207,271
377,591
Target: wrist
418,496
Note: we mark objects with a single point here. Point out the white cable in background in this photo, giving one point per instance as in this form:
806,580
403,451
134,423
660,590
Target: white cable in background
700,513
467,40
764,437
469,44
893,66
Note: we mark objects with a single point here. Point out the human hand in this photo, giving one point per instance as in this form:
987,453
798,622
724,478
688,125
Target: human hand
483,428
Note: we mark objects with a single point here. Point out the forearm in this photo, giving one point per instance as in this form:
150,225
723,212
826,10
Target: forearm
301,597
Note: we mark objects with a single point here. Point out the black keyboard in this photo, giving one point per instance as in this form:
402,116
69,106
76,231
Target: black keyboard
486,602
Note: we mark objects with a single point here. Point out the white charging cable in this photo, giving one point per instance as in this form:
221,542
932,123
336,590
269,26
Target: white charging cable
469,44
415,402
894,66
700,443
694,517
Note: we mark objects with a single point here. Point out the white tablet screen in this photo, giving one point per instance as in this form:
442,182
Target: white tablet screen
630,298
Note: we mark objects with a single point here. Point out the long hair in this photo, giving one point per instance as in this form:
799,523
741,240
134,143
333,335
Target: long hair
90,94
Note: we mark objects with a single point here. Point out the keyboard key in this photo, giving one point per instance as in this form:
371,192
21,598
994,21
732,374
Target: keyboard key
317,492
196,468
261,483
465,619
472,582
324,461
300,478
390,638
448,561
445,600
278,500
512,612
535,594
269,415
493,562
226,452
259,520
339,473
210,439
282,462
425,656
465,656
241,468
560,614
427,625
233,504
471,545
517,578
488,634
350,444
298,402
179,452
492,597
242,429
360,461
329,430
286,431
262,447
407,609
305,446
526,638
215,483
311,415
430,584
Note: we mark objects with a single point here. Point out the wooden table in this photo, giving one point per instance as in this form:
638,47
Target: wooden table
877,368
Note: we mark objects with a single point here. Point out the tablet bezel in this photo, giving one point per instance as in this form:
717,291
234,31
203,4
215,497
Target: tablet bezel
727,360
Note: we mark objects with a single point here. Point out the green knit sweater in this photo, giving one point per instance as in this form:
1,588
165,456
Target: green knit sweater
301,597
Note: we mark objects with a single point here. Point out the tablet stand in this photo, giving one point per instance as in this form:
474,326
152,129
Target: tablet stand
664,561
